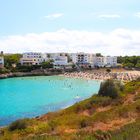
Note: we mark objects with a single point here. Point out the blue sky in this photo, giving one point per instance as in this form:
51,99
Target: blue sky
20,18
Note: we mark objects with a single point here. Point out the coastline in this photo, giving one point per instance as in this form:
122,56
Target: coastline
98,75
25,74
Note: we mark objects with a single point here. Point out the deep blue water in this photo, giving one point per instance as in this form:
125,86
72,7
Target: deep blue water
33,96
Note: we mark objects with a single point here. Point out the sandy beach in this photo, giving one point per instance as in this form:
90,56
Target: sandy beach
124,76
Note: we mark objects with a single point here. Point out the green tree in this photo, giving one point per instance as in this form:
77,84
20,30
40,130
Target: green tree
120,59
47,64
138,65
129,61
129,65
4,70
11,59
98,54
110,88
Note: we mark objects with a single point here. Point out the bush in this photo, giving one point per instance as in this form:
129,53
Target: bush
100,135
108,70
18,125
138,109
128,132
52,124
4,70
47,64
132,86
101,101
83,123
26,68
110,88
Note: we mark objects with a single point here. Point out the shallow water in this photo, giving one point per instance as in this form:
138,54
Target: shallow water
33,96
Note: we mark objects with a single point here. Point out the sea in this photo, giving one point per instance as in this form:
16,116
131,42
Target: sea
27,97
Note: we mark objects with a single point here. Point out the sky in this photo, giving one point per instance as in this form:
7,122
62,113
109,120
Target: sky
110,27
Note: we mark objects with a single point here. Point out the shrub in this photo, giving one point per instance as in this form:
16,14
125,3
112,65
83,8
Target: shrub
4,70
101,101
52,124
108,70
110,88
128,132
138,109
83,123
132,86
89,105
18,125
24,68
47,64
102,135
123,112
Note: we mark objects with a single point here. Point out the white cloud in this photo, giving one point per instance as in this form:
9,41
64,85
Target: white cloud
116,42
54,16
137,15
103,16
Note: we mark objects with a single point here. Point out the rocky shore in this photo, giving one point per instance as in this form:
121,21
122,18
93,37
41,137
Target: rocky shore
34,73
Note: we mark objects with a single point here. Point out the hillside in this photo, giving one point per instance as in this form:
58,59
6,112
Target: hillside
97,118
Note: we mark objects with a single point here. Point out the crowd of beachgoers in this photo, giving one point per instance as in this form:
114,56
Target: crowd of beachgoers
123,76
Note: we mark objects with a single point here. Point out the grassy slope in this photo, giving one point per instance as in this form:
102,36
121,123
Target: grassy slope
98,118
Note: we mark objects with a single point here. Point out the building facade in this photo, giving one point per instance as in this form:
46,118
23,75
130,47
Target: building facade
99,62
110,61
32,58
62,59
80,58
105,61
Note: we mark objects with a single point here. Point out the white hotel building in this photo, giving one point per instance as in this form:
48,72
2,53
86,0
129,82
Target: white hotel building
110,61
105,61
93,60
80,58
61,59
33,58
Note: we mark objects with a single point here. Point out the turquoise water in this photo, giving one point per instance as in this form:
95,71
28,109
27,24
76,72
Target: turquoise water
33,96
